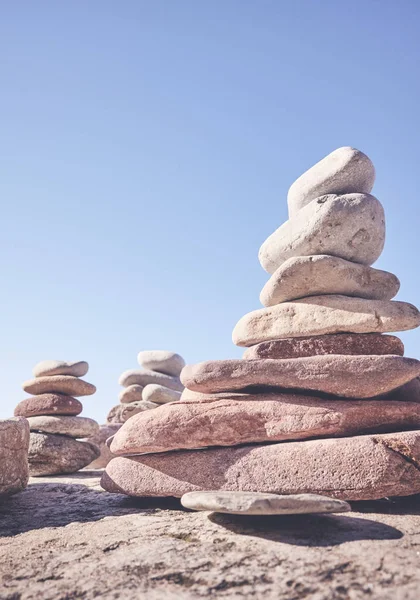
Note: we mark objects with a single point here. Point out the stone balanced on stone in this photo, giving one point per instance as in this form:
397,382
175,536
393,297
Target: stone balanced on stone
156,383
324,401
55,446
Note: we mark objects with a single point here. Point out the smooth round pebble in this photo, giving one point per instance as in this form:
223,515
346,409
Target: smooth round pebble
75,427
145,376
132,393
162,361
160,394
60,384
60,367
48,404
256,503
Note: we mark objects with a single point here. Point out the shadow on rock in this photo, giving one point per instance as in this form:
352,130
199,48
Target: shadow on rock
57,504
307,530
407,505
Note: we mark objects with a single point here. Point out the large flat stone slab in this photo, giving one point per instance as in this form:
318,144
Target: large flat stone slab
356,468
350,227
50,454
143,377
61,367
59,384
162,361
320,315
339,343
343,171
256,503
75,427
347,376
48,404
303,276
258,418
14,443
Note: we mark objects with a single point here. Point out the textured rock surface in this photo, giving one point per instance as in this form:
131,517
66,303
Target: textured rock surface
160,394
99,439
144,377
348,376
48,404
231,421
14,442
132,393
340,343
356,468
320,315
77,427
50,454
255,503
64,537
163,361
60,367
356,231
343,171
59,384
121,412
315,275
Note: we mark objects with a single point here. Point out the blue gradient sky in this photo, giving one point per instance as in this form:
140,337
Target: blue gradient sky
146,153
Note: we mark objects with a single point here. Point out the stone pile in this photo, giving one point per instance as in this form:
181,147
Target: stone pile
55,446
14,443
324,401
156,383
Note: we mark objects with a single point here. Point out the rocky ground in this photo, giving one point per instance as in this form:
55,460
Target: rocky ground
65,538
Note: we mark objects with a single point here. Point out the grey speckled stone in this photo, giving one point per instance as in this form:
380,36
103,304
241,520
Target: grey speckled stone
302,276
132,393
162,361
321,315
51,454
256,503
350,227
160,394
122,412
61,367
14,442
75,427
344,171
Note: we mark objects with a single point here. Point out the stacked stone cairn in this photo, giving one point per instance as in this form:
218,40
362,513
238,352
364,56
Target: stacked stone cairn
155,383
323,401
55,429
14,444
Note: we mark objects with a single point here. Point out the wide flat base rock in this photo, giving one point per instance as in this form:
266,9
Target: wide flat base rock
75,427
59,384
258,418
50,454
64,537
99,439
256,503
320,315
14,442
339,375
351,226
357,468
339,343
303,276
48,404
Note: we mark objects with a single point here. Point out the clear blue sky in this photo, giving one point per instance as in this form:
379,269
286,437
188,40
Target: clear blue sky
146,153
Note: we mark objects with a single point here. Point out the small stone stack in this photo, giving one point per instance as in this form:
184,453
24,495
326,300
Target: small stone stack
147,388
52,411
324,402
